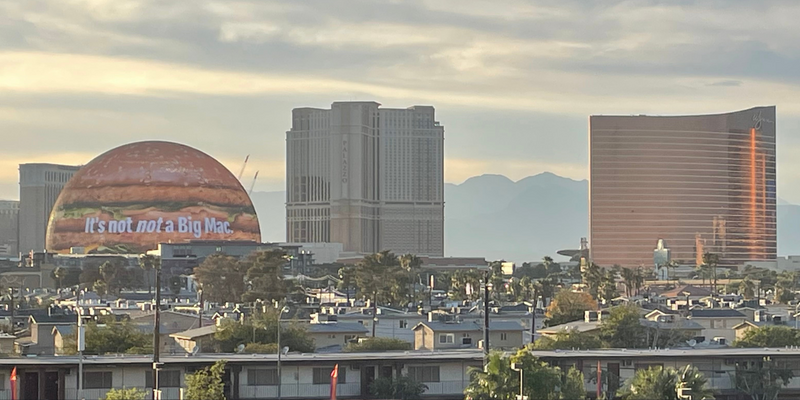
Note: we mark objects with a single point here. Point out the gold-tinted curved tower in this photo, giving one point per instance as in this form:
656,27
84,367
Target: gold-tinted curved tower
703,183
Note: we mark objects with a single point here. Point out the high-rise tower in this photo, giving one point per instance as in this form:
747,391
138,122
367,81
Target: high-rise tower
370,178
703,183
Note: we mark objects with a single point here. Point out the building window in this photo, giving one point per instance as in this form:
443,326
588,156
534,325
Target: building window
446,338
2,381
97,380
322,376
466,340
166,379
503,336
262,377
424,374
331,336
403,324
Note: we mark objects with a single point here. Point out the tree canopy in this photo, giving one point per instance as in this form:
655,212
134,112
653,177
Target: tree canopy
206,384
658,383
622,328
769,336
378,344
228,279
569,339
398,388
540,380
262,329
111,338
568,306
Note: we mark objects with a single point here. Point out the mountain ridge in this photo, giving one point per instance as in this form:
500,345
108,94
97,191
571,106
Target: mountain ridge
495,217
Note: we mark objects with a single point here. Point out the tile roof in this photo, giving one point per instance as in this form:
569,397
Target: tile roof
338,327
716,313
471,326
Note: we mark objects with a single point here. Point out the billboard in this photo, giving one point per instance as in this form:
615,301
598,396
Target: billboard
135,196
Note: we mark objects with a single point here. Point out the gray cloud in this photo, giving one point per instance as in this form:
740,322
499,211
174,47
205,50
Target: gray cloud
512,80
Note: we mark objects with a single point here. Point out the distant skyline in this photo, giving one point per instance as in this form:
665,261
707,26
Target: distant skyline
515,84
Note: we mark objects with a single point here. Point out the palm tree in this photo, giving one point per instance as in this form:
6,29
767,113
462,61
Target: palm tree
747,288
710,260
60,273
629,280
411,264
346,274
659,383
496,381
148,263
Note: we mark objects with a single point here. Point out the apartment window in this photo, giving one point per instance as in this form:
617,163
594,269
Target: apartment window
97,380
446,338
503,336
322,376
262,377
166,379
424,374
466,340
403,324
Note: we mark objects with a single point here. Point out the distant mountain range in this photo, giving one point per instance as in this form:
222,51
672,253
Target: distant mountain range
494,217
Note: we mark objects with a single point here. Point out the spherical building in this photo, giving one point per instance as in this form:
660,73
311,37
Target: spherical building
135,196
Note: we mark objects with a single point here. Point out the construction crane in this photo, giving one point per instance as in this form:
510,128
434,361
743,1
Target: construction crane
253,184
241,171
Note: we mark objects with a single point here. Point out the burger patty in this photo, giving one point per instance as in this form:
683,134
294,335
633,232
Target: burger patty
153,194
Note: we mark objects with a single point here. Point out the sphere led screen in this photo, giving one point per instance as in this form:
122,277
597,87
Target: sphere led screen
135,196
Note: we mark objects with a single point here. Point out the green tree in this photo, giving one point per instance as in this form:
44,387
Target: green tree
747,288
460,280
593,278
762,379
622,328
411,264
60,273
769,336
222,278
568,306
629,280
207,383
567,340
261,329
608,285
175,285
125,394
658,383
540,380
573,388
497,278
400,388
347,278
380,278
100,287
377,344
111,338
264,276
149,263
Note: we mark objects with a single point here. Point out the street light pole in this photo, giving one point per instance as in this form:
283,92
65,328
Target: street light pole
280,351
157,335
518,367
81,342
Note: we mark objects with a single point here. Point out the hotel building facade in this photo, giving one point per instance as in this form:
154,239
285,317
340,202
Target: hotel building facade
702,183
368,177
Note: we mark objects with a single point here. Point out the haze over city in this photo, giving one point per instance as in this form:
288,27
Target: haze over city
513,84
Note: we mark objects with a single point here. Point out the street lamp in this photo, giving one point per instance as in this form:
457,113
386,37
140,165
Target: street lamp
518,367
280,351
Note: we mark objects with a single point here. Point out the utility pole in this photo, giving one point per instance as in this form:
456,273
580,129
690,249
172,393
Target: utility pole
11,298
200,311
81,342
486,318
157,334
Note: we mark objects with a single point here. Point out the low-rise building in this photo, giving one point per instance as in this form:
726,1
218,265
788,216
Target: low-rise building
465,335
331,335
718,323
248,376
193,340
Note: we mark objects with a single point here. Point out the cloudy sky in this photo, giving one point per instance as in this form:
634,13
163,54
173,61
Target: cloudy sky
513,81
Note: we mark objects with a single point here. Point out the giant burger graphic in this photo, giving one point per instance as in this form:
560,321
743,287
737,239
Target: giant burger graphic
135,196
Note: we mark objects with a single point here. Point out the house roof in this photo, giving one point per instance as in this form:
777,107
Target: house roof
579,326
716,313
750,324
471,326
54,319
191,334
685,324
337,327
64,330
680,291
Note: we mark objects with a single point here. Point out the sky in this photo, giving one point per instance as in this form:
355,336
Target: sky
513,81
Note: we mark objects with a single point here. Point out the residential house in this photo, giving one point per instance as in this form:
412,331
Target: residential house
718,323
41,340
329,336
171,322
60,332
590,324
464,335
676,299
193,339
7,343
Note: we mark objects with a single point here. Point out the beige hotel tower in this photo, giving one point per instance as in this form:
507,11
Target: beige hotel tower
368,177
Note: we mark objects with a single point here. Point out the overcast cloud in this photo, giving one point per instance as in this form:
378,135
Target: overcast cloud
513,81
